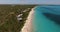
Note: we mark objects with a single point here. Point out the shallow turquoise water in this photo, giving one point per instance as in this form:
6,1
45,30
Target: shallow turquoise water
43,24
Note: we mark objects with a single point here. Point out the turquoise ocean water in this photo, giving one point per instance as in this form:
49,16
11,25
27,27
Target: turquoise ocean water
42,23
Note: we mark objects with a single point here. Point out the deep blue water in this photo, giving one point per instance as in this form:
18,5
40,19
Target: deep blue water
47,19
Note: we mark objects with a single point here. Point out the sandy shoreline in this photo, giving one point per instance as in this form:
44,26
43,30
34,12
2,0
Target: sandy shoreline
28,25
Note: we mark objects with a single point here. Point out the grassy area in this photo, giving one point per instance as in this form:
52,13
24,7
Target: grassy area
8,19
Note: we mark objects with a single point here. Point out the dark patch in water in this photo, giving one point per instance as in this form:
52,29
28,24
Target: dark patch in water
53,17
51,9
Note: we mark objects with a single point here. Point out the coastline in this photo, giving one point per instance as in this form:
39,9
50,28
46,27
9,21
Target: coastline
28,27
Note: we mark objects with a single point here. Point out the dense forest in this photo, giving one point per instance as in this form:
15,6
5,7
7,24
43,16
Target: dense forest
8,19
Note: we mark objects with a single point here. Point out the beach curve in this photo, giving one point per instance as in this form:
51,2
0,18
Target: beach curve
28,25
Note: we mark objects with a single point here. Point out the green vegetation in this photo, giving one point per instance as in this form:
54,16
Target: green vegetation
8,19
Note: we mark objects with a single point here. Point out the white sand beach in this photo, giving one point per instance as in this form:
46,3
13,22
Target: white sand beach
28,25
